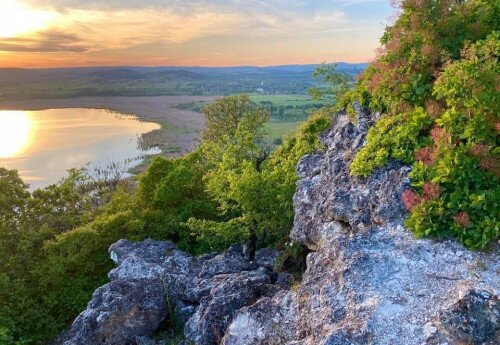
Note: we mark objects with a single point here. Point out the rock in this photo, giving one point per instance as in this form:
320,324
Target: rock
368,280
267,257
284,280
474,319
233,261
144,341
429,330
119,312
231,293
154,280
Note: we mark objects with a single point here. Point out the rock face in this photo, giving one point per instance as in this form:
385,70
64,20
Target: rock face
154,281
368,281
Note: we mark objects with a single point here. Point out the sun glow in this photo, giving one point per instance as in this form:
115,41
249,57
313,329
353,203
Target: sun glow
15,129
17,19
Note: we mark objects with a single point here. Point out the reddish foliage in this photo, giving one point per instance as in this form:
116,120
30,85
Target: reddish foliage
497,126
381,66
462,218
395,3
431,190
431,52
433,108
374,81
486,163
414,4
406,107
410,199
480,150
491,164
393,44
380,51
426,155
439,135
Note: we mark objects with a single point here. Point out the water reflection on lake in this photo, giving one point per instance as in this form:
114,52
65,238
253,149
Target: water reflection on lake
43,145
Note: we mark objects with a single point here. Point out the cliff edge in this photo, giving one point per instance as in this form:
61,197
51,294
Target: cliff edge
368,280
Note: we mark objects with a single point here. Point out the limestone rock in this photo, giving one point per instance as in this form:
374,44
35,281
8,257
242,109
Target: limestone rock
119,312
368,280
153,277
474,319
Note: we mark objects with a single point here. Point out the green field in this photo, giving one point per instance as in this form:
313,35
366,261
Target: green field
284,100
277,130
287,111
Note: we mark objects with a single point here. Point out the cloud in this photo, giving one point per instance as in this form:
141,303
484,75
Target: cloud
189,31
44,42
189,4
180,21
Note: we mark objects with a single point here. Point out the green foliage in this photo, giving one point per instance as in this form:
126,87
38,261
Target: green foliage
53,251
170,192
235,187
256,184
394,136
436,81
338,83
213,236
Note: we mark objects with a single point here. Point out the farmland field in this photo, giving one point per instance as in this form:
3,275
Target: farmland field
287,111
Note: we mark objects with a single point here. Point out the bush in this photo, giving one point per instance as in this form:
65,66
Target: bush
438,88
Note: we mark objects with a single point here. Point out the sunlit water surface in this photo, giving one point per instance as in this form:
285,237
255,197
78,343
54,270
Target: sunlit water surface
43,145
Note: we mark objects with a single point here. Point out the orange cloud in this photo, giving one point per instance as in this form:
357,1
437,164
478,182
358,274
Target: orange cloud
227,32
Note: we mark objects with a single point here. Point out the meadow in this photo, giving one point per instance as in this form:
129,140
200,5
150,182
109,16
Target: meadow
287,111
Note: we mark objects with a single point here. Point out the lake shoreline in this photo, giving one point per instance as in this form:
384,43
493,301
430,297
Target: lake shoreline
180,129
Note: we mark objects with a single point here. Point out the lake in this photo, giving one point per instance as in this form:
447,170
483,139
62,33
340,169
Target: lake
43,145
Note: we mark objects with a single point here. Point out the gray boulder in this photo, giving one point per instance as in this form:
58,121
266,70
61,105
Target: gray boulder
119,312
154,280
368,280
474,319
229,294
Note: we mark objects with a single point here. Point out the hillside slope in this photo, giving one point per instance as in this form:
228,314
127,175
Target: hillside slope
368,281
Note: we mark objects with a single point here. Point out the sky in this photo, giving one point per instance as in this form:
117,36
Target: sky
69,33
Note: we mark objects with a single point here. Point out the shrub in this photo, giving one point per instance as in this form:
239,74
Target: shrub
438,88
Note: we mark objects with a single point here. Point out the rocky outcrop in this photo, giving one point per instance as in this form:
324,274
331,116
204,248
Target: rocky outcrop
369,281
154,281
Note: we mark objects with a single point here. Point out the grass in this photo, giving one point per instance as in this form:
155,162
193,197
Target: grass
277,130
283,100
276,100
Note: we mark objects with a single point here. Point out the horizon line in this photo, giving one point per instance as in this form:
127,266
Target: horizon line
187,66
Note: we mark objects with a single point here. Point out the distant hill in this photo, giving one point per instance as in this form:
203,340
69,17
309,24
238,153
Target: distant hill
16,83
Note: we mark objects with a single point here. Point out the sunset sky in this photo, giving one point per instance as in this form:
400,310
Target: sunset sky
56,33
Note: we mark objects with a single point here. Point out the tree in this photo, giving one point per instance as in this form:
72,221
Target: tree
336,83
225,115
